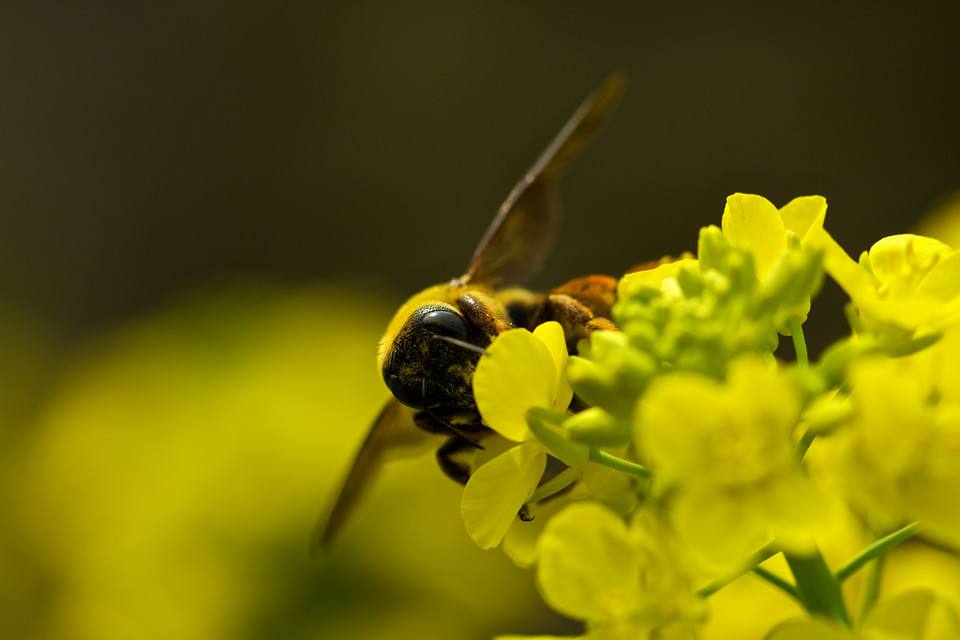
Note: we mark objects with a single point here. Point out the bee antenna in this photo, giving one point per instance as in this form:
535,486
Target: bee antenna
461,343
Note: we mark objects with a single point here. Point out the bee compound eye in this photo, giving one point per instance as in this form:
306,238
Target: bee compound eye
445,322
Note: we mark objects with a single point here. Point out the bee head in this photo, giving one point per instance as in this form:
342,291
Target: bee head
430,362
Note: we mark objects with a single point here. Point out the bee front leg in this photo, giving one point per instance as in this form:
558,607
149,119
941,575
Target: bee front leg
456,470
472,431
577,320
484,313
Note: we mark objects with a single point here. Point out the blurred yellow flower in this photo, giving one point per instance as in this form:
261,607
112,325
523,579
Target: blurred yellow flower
167,487
520,370
624,582
907,282
915,615
901,449
728,450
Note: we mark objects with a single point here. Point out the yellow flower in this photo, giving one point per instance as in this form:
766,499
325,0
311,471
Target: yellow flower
728,451
901,451
622,581
753,223
905,281
914,615
520,370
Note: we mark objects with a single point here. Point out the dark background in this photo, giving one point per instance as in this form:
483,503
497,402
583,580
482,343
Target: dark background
148,148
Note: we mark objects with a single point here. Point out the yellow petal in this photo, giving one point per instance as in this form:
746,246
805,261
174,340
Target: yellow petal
723,532
520,544
899,256
517,372
497,490
802,214
670,423
763,393
912,615
588,567
851,277
934,504
752,223
943,281
795,509
551,334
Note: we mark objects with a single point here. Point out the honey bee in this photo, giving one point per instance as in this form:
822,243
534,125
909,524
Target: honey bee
431,347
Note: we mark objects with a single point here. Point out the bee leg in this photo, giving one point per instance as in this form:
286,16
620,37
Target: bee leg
432,423
572,315
484,313
601,324
577,320
456,470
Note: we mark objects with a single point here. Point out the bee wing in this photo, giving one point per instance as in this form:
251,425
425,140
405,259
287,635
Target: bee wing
522,233
393,435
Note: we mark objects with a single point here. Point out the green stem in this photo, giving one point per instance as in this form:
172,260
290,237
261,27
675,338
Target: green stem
762,555
799,343
607,460
555,485
805,441
819,589
778,582
877,549
872,589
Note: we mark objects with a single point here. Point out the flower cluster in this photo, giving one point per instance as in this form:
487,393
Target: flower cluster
666,459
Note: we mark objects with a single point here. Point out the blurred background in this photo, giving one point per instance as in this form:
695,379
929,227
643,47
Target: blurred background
210,210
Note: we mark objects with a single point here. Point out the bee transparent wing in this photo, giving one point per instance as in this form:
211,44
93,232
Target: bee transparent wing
520,237
393,435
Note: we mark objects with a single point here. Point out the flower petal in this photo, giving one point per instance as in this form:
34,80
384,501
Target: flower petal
900,256
551,334
520,543
851,277
671,426
934,504
802,214
516,372
587,562
943,281
914,614
722,531
795,508
497,490
751,222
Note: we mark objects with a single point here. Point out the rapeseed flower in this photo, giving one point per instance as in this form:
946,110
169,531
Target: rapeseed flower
753,223
520,371
900,453
904,286
622,581
727,450
914,615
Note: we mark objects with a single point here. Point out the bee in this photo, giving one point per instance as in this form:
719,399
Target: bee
431,347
